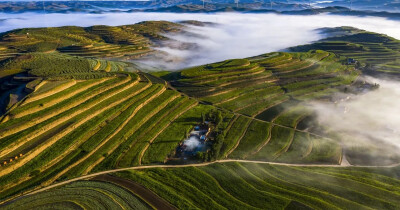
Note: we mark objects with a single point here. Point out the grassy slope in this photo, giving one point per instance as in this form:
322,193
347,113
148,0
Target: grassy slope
266,186
119,122
378,52
274,87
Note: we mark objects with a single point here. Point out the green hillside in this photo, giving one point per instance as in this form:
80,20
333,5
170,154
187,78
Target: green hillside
228,186
130,41
269,95
100,133
378,53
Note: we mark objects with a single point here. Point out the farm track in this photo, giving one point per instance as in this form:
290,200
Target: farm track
254,118
272,105
70,149
187,165
272,123
264,142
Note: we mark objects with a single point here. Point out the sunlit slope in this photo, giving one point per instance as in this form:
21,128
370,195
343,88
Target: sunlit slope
59,66
263,186
378,53
252,86
72,127
97,41
269,95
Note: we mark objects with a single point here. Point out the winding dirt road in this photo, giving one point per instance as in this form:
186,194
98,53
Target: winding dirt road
198,165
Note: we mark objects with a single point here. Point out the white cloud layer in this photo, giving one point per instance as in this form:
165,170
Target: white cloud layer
371,118
235,35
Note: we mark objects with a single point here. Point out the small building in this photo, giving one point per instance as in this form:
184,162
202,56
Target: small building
203,137
351,61
195,133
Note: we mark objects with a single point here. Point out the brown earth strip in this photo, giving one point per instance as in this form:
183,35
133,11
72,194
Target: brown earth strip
44,188
57,100
147,195
50,92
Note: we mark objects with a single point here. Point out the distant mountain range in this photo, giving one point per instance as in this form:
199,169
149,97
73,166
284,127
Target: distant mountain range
380,8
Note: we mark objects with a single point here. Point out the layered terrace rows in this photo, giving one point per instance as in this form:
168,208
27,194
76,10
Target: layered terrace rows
77,127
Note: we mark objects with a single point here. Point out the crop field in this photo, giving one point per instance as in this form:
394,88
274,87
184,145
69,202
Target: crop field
263,141
270,95
264,186
229,185
83,194
56,66
99,133
72,127
129,41
380,53
253,86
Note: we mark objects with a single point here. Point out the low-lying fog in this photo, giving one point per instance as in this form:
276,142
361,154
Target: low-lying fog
235,35
371,118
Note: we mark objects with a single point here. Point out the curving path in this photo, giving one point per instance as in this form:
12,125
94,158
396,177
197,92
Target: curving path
188,165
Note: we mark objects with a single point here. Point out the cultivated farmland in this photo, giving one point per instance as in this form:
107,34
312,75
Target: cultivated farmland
76,127
99,133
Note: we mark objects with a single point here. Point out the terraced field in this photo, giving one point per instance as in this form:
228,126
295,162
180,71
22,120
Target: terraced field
56,66
72,127
264,186
86,117
229,185
129,41
84,194
253,86
377,52
270,95
254,139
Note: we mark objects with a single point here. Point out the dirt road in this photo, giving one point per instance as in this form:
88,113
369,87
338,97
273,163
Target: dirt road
198,165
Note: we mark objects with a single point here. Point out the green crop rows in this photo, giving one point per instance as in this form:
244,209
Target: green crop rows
263,186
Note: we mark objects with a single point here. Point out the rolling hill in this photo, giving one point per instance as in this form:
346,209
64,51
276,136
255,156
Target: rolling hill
94,132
